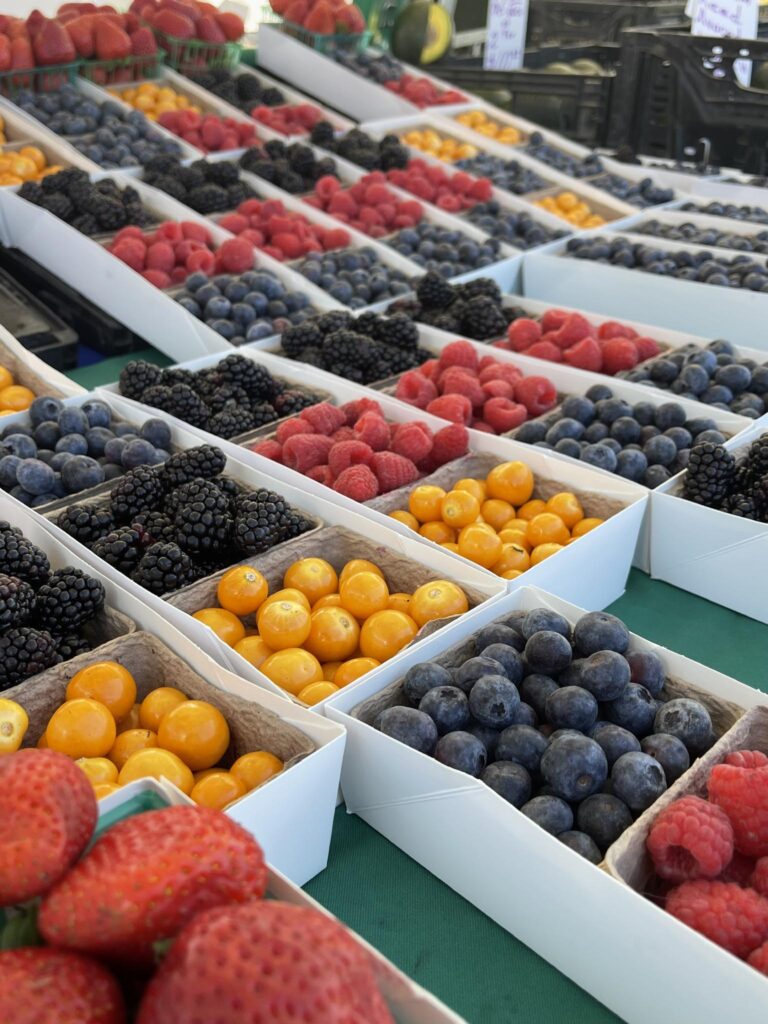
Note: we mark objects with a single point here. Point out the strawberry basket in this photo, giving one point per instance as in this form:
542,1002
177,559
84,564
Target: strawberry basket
194,54
125,69
41,79
328,44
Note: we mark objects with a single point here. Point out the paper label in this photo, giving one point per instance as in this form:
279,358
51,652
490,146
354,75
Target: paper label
505,39
729,19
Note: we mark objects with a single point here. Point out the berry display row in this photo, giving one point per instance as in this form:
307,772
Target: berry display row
243,90
91,207
755,214
696,235
205,186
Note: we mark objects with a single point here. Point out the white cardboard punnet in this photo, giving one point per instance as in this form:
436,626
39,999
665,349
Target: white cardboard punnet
29,369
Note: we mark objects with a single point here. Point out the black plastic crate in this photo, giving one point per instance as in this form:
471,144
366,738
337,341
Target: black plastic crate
571,21
675,89
36,326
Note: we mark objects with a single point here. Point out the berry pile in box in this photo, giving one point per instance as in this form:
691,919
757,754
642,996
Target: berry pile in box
242,90
63,450
361,148
447,251
289,119
571,208
204,186
690,232
477,518
570,725
755,214
643,442
574,166
323,630
510,175
719,480
637,193
168,526
354,277
716,375
516,227
452,191
368,205
354,450
479,392
94,208
294,168
281,233
473,309
168,254
105,133
230,398
43,612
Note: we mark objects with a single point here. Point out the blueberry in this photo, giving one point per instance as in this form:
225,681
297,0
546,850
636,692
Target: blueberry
734,377
535,689
195,281
75,444
47,434
124,430
648,432
614,740
681,437
578,408
663,371
596,432
660,451
600,631
564,428
511,781
531,432
638,779
632,465
547,653
20,445
81,472
694,378
544,620
599,393
522,744
493,700
409,726
611,409
600,456
423,677
647,669
156,432
113,449
550,813
137,453
582,844
44,408
96,439
669,414
604,817
98,413
468,674
718,394
73,421
605,674
689,721
35,476
525,715
448,708
571,707
635,710
626,430
509,658
567,446
574,766
498,634
46,455
21,495
57,461
463,751
670,752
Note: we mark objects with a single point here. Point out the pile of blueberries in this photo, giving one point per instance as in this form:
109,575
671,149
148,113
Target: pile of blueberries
716,375
106,132
757,243
570,726
573,166
510,175
637,193
354,277
63,450
513,226
445,250
243,307
378,68
645,443
715,209
704,267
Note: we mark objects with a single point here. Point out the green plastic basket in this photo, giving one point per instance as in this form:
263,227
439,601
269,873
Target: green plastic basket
325,44
196,54
127,69
47,79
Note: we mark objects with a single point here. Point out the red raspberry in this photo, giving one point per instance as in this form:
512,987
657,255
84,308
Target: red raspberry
537,394
321,474
585,355
743,795
132,231
344,433
178,274
523,333
449,443
288,428
235,256
747,759
553,320
739,870
414,388
354,410
197,232
349,453
358,483
574,328
393,471
290,245
481,190
455,408
269,449
482,426
458,381
499,389
305,451
327,186
758,958
158,278
234,222
502,415
759,877
160,256
201,260
324,418
734,918
545,350
131,251
691,838
410,440
334,238
614,329
619,354
647,348
451,204
506,371
488,369
430,369
458,353
374,430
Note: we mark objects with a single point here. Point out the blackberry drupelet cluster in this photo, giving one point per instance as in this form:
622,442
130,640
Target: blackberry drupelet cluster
244,91
473,309
709,478
17,601
138,491
206,187
293,168
264,519
121,548
19,557
716,480
68,599
90,207
86,523
359,148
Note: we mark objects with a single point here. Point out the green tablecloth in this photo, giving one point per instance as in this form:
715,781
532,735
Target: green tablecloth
430,932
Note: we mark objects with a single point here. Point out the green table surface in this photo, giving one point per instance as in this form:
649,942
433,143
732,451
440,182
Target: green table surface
426,929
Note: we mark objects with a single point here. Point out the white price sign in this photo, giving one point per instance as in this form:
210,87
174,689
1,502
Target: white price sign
505,38
729,19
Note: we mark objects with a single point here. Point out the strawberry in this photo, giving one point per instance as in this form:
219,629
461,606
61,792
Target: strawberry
230,24
5,53
321,19
80,31
146,877
350,18
35,21
210,30
50,832
296,12
51,986
52,44
112,43
173,24
264,961
143,42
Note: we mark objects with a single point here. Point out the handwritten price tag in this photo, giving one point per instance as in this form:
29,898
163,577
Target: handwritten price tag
731,19
505,40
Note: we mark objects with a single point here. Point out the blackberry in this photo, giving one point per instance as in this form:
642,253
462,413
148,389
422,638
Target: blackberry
68,647
710,474
367,323
434,291
69,598
58,205
86,523
229,487
757,458
225,396
22,559
204,461
164,567
203,522
137,376
484,286
192,177
23,653
322,135
139,490
350,350
312,357
742,505
231,422
86,224
249,375
305,335
152,527
261,521
175,375
163,163
182,402
17,601
272,97
121,549
291,402
443,321
110,214
263,413
208,198
222,173
32,192
482,319
336,320
398,331
238,193
170,185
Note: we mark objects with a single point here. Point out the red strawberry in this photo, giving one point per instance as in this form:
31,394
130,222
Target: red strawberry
21,53
52,44
209,29
112,43
296,12
51,986
143,42
273,960
146,877
350,18
230,24
321,19
35,21
174,24
50,832
81,33
5,53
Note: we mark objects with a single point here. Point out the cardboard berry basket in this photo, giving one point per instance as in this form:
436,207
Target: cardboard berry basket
672,217
640,962
32,372
23,130
721,557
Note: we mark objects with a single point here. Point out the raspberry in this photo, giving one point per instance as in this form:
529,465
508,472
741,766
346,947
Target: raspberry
619,354
373,429
743,795
613,329
305,451
499,389
647,348
481,190
324,418
458,381
758,958
160,256
431,369
545,350
458,353
506,371
449,443
415,389
349,453
131,251
202,260
327,186
739,870
289,428
502,415
482,426
192,230
734,918
234,256
747,759
411,441
488,369
691,838
585,355
553,320
522,333
574,328
157,277
393,471
355,409
132,231
322,475
358,483
269,449
537,394
456,408
344,433
759,877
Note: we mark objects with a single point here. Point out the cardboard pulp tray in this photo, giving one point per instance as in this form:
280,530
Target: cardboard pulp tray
32,372
642,963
